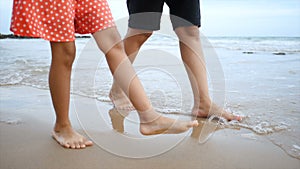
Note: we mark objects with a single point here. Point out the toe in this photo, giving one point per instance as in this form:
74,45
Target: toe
66,145
228,116
78,146
238,118
73,146
234,117
193,123
87,142
82,145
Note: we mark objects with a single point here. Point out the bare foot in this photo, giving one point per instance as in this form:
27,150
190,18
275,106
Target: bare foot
206,110
117,119
154,123
69,138
119,98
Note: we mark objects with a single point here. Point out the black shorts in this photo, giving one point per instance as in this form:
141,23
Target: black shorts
146,14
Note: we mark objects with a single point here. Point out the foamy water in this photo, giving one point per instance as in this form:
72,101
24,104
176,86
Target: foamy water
287,45
262,81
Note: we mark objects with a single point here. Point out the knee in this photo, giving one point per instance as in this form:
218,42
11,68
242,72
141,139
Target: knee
188,33
141,38
68,57
63,54
138,39
117,48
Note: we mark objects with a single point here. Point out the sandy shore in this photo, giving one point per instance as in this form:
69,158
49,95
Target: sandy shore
27,117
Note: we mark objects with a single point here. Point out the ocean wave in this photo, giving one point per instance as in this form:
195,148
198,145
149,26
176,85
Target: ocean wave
276,45
248,45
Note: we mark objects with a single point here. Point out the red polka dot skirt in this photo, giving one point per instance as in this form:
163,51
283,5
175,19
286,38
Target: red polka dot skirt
59,20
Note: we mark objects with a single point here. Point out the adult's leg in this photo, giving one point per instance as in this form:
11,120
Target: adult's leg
133,41
192,56
63,55
109,41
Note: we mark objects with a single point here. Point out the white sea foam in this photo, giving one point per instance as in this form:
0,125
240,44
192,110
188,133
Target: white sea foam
258,44
15,121
296,147
261,128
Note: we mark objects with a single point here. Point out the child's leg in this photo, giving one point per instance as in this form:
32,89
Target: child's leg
192,56
109,41
63,55
132,43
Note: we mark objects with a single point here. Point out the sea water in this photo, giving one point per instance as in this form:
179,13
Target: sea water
262,79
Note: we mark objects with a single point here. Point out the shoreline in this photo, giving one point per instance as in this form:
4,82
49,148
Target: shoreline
31,117
12,36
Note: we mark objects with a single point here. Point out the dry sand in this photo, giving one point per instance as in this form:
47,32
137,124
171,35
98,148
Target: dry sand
27,117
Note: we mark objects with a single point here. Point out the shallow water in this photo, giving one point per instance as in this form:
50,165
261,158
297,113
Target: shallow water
261,85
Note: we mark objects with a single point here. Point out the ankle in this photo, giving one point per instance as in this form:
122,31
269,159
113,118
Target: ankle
61,125
148,116
202,101
115,88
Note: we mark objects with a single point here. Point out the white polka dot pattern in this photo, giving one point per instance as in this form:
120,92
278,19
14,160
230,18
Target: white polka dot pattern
59,20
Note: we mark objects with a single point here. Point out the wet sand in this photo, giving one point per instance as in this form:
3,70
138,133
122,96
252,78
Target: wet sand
26,121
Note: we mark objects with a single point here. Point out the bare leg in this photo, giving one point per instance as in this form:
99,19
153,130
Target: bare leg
63,55
133,42
195,66
109,41
192,56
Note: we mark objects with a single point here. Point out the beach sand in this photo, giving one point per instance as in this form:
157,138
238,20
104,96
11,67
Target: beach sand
27,119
